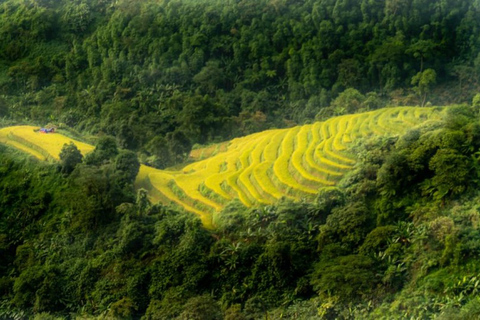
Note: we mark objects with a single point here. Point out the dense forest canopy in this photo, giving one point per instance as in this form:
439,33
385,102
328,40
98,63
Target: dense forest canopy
180,72
398,237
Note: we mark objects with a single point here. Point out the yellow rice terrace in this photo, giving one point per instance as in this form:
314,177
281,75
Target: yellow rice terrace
264,167
257,169
40,144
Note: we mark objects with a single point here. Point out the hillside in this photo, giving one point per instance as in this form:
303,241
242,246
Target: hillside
240,159
284,163
181,72
258,169
396,238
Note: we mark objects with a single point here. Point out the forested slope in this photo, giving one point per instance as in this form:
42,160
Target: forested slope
399,238
163,75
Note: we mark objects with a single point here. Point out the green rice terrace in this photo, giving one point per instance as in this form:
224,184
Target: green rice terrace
257,169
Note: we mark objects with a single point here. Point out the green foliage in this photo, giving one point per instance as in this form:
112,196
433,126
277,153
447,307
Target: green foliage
201,308
423,82
105,150
386,242
234,313
451,170
470,311
399,240
46,316
349,277
210,77
345,224
70,156
179,145
378,239
127,166
476,102
122,309
101,190
158,152
349,101
142,71
3,107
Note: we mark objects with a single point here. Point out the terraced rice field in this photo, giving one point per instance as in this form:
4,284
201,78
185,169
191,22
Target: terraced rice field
257,169
263,167
43,146
207,151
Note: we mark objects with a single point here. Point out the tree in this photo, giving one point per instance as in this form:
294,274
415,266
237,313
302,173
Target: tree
142,201
348,101
386,61
464,73
235,313
97,194
126,136
347,277
105,150
349,73
179,145
70,156
201,308
423,82
451,173
422,49
159,151
347,225
329,198
3,107
476,102
127,165
210,77
77,17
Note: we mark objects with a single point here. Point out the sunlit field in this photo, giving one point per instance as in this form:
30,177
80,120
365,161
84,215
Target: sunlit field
263,167
257,169
41,145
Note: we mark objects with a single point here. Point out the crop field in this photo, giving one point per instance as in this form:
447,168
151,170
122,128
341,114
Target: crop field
204,152
43,146
263,167
257,169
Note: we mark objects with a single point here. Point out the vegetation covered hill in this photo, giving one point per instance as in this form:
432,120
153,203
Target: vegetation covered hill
397,237
163,75
257,169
